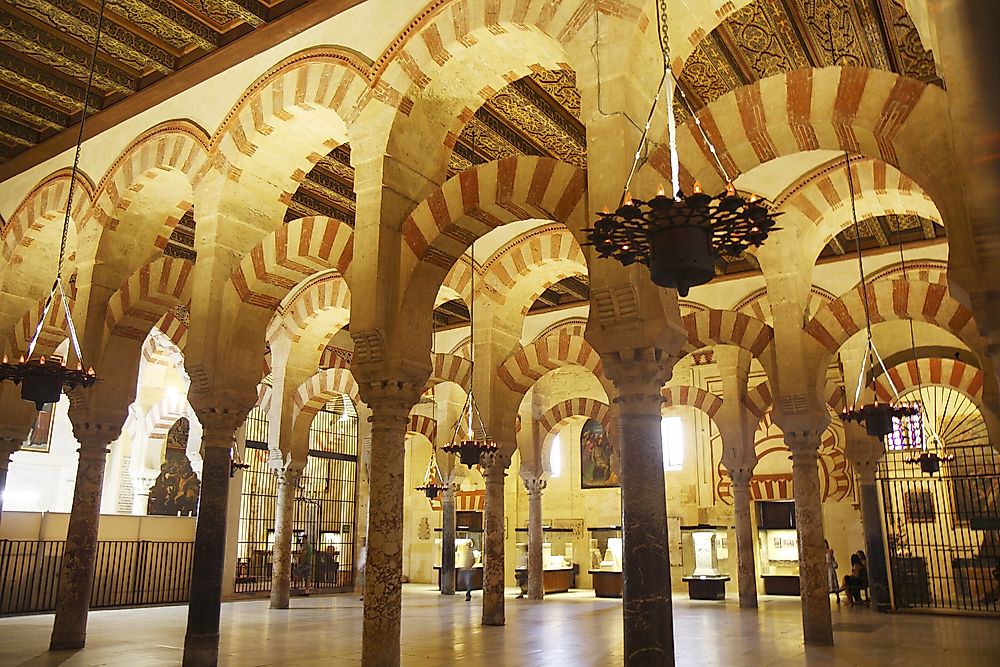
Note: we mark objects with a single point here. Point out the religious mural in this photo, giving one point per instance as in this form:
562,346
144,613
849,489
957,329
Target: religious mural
176,490
598,458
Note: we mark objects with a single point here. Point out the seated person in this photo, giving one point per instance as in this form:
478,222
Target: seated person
855,581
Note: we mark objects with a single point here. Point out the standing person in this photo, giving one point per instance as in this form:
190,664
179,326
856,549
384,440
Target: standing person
833,582
468,564
306,563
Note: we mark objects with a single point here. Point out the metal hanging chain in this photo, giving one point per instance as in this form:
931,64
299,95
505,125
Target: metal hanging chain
866,364
57,284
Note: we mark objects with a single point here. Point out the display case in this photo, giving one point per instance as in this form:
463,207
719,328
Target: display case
779,547
605,554
464,536
558,566
705,561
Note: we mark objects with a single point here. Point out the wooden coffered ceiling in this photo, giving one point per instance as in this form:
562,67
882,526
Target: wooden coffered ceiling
45,48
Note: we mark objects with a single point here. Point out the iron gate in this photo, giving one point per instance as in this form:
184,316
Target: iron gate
943,530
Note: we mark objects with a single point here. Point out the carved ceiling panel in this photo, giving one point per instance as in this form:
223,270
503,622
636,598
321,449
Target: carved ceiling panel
45,48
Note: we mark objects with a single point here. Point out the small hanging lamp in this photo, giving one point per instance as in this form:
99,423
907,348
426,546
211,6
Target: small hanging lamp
472,441
680,237
876,417
42,381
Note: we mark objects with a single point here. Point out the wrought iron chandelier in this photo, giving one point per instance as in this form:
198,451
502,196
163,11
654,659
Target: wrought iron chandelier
41,380
680,237
876,417
474,440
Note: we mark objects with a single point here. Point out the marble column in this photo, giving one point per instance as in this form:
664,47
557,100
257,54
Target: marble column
494,471
648,609
76,577
384,567
745,547
281,577
7,448
448,539
536,588
201,641
817,623
871,521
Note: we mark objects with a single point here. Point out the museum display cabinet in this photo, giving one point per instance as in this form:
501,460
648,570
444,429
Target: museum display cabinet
465,537
705,561
779,547
605,554
559,569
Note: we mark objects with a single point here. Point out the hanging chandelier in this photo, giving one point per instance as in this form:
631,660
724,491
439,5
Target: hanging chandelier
42,381
472,441
930,462
680,237
877,418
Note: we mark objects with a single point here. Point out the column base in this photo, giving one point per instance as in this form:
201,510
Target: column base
67,643
201,650
494,620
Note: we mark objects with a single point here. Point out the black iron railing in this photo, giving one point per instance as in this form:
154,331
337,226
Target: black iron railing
127,574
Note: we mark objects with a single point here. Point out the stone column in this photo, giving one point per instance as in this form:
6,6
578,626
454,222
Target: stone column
7,448
865,452
201,641
281,557
448,539
383,571
648,608
494,471
76,577
536,588
817,623
745,547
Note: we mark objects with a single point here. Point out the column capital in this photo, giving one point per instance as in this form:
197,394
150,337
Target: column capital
220,421
8,446
864,452
535,485
740,476
494,466
391,400
290,474
639,378
803,443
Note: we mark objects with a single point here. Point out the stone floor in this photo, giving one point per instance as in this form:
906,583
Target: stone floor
568,629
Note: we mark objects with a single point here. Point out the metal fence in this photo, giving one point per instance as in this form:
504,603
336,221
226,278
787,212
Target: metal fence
127,574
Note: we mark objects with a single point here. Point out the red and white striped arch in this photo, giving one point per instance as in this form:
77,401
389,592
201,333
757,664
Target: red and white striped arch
757,305
54,331
44,206
487,196
924,271
289,255
871,112
528,364
423,425
571,326
888,300
450,368
548,254
758,400
457,284
156,423
951,373
146,297
321,293
328,81
322,387
691,397
174,325
591,408
727,327
174,145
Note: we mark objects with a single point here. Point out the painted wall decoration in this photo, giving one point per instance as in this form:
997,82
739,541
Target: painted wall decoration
177,487
40,436
598,459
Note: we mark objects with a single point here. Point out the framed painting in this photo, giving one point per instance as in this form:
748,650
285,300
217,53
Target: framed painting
40,436
598,458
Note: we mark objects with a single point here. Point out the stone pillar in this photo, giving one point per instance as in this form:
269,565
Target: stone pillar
201,641
281,577
536,588
865,452
7,448
448,539
745,547
76,578
494,471
817,623
384,567
648,609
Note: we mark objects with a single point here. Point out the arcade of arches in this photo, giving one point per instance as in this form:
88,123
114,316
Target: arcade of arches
283,268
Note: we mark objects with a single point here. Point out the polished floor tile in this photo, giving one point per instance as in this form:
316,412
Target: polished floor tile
568,629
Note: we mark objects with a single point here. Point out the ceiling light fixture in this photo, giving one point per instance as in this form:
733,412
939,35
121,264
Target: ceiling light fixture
876,417
680,237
